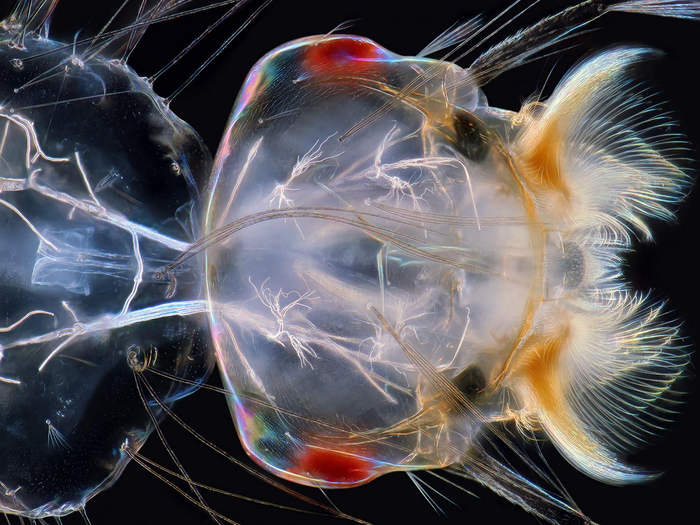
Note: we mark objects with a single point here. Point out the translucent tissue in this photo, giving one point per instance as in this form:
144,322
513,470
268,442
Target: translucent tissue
97,191
414,235
394,269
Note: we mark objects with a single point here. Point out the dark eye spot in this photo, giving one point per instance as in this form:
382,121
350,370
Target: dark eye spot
471,136
470,381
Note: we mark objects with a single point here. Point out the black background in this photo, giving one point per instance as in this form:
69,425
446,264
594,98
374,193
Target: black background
668,266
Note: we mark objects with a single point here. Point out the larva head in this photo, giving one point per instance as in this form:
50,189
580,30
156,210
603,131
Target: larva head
349,274
374,300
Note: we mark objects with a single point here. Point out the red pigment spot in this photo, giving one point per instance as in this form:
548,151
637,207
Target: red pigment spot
341,52
334,467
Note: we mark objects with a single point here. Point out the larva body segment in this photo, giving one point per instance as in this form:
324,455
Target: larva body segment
97,190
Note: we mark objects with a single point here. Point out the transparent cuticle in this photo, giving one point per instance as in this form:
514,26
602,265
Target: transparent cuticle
397,275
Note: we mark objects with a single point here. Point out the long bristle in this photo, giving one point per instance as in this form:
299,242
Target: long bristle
601,153
600,157
688,9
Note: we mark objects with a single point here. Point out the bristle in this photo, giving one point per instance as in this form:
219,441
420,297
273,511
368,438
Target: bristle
598,370
621,369
671,8
483,466
529,43
30,16
452,36
600,155
601,383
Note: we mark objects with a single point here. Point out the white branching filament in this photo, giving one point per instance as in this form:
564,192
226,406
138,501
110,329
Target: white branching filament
380,171
313,157
35,164
92,207
280,305
109,322
33,150
139,273
70,311
24,318
400,188
10,328
28,223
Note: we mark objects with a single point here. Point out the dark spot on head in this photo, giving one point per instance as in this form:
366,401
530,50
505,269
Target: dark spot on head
470,381
471,136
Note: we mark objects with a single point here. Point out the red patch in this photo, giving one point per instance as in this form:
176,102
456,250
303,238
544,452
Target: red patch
334,467
341,52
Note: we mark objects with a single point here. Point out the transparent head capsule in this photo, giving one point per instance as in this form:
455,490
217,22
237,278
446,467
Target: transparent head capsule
411,235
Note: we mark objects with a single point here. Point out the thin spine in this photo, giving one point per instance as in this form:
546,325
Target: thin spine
220,50
124,30
196,41
428,75
250,470
138,378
